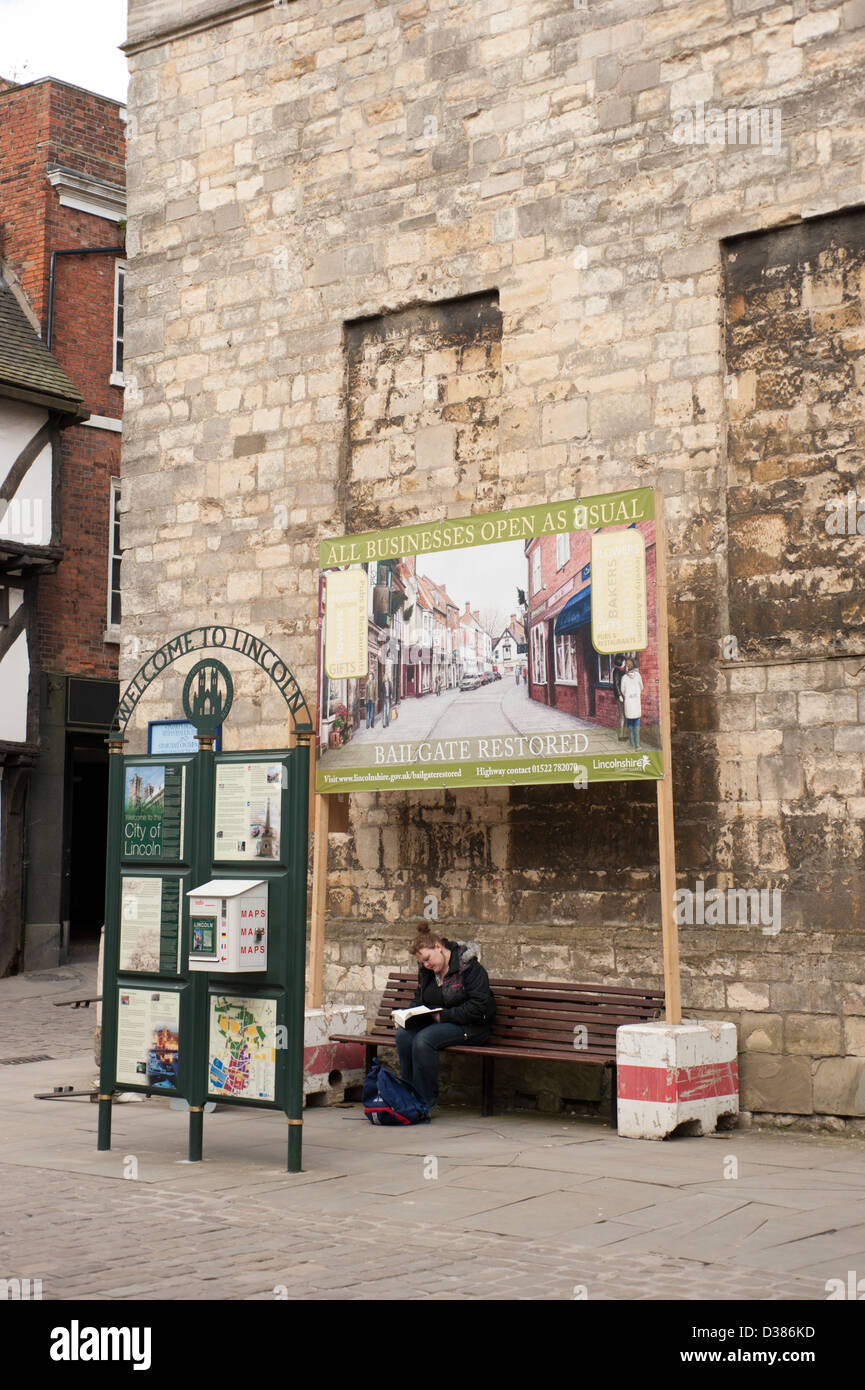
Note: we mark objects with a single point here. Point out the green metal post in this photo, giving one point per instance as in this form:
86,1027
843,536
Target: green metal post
201,859
295,982
111,945
196,1133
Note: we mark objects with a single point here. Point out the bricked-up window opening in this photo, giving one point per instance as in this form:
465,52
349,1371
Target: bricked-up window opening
114,556
424,401
795,350
119,284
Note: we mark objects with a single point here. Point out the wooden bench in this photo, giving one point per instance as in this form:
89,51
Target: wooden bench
537,1020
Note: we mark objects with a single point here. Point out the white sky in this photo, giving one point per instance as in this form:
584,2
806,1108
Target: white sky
75,40
487,576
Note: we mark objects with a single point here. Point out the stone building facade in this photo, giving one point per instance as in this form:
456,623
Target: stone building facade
411,259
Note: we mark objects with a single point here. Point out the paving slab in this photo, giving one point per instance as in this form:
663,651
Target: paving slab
615,1196
510,1180
690,1210
799,1256
558,1213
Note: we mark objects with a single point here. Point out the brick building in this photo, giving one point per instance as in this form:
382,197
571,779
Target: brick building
62,221
420,259
564,670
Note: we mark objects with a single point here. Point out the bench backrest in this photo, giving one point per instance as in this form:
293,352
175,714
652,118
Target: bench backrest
551,1017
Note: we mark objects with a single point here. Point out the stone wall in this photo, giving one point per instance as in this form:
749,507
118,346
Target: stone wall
295,169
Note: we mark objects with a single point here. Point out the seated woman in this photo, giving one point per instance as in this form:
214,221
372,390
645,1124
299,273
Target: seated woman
452,981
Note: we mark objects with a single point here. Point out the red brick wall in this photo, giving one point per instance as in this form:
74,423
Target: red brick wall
73,602
24,189
51,122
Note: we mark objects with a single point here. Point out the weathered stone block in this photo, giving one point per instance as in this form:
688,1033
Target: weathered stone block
614,415
779,779
566,420
779,1084
747,996
812,1035
761,1032
839,1086
836,707
777,710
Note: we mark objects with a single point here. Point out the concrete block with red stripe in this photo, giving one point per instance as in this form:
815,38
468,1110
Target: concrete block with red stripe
669,1075
328,1067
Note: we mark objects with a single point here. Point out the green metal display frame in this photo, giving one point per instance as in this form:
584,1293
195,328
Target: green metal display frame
284,978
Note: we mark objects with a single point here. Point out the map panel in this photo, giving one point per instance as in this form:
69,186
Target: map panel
242,1047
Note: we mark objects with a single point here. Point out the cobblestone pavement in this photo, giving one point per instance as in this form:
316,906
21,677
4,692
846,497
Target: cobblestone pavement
30,1024
537,1207
92,1238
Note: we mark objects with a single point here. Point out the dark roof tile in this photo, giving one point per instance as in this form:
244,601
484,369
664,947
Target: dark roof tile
25,361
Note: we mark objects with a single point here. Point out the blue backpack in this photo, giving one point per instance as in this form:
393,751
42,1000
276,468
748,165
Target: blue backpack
389,1101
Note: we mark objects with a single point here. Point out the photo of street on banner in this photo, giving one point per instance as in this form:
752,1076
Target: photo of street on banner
510,648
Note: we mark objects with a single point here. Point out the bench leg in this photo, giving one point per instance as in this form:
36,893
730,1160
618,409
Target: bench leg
487,1075
614,1097
371,1052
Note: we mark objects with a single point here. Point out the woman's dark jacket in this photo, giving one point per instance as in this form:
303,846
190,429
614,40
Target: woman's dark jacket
464,996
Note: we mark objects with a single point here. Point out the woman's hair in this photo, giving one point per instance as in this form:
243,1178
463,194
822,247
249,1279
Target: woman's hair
425,938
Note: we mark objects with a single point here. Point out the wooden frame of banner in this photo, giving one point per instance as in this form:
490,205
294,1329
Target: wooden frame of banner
324,818
664,786
321,822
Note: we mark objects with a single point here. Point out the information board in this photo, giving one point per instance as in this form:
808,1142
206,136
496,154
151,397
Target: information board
148,1037
150,920
175,736
153,806
181,824
247,816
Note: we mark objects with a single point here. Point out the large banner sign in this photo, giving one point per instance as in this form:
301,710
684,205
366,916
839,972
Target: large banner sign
509,648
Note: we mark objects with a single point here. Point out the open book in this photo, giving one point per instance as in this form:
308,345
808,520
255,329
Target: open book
418,1017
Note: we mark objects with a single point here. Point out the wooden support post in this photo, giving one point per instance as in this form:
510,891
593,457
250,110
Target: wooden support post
666,828
321,822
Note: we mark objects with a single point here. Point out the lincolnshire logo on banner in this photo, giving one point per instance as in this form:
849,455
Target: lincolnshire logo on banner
509,648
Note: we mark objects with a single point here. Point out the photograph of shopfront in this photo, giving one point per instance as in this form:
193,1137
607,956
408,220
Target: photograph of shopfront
565,670
417,640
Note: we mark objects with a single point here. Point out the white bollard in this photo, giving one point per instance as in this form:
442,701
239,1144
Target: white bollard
670,1074
322,1059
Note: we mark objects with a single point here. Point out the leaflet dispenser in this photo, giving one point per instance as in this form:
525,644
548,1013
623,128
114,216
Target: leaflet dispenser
228,926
